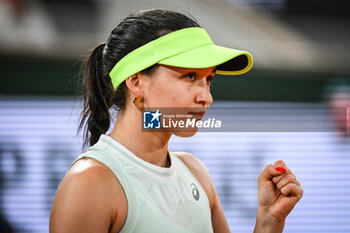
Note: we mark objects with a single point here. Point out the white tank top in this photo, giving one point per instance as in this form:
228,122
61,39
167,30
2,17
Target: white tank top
160,200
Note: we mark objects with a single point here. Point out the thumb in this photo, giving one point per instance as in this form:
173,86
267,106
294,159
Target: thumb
280,163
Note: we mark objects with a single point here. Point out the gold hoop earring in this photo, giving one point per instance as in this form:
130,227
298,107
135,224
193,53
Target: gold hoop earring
137,100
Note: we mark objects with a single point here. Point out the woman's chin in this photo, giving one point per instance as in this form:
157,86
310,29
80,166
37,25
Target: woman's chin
185,134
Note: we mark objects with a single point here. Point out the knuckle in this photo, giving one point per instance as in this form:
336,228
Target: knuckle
300,193
285,189
289,186
291,177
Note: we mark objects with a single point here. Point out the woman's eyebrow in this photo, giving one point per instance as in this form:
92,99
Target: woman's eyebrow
211,76
191,70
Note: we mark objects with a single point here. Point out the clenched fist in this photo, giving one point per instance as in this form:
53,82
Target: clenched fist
278,193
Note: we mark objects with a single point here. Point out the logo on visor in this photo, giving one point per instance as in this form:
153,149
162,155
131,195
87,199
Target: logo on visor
151,120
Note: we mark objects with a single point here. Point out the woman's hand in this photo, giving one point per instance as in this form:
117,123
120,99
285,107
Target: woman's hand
278,193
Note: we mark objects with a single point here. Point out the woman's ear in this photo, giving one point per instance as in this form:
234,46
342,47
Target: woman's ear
134,85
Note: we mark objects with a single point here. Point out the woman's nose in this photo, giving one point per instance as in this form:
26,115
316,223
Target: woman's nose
204,96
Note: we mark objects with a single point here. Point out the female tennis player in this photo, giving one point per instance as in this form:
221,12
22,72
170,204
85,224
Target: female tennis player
128,181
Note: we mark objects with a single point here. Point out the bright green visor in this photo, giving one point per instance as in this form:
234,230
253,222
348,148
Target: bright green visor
187,48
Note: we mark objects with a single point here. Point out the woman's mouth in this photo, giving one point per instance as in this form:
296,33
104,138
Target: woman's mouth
197,115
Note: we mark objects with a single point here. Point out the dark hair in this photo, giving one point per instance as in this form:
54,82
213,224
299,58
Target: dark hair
134,31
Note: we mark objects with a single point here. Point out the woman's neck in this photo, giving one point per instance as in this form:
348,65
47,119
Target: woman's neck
149,146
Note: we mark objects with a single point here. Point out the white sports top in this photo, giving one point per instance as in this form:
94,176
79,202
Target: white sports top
160,200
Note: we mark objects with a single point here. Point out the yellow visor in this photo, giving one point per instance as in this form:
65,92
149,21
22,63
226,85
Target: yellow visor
187,48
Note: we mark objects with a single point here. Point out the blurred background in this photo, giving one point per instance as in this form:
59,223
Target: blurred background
301,53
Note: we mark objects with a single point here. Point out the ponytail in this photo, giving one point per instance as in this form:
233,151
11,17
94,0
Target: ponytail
98,97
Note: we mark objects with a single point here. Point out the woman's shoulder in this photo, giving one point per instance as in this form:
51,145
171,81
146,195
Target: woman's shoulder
86,167
91,195
89,175
199,170
192,162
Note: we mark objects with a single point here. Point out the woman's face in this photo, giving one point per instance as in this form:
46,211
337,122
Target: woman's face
175,87
179,90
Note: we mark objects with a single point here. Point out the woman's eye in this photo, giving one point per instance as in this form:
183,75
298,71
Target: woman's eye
191,76
210,80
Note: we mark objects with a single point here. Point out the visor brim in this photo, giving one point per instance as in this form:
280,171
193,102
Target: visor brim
227,61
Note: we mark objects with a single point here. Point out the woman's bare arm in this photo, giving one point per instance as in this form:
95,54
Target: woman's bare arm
199,170
89,199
